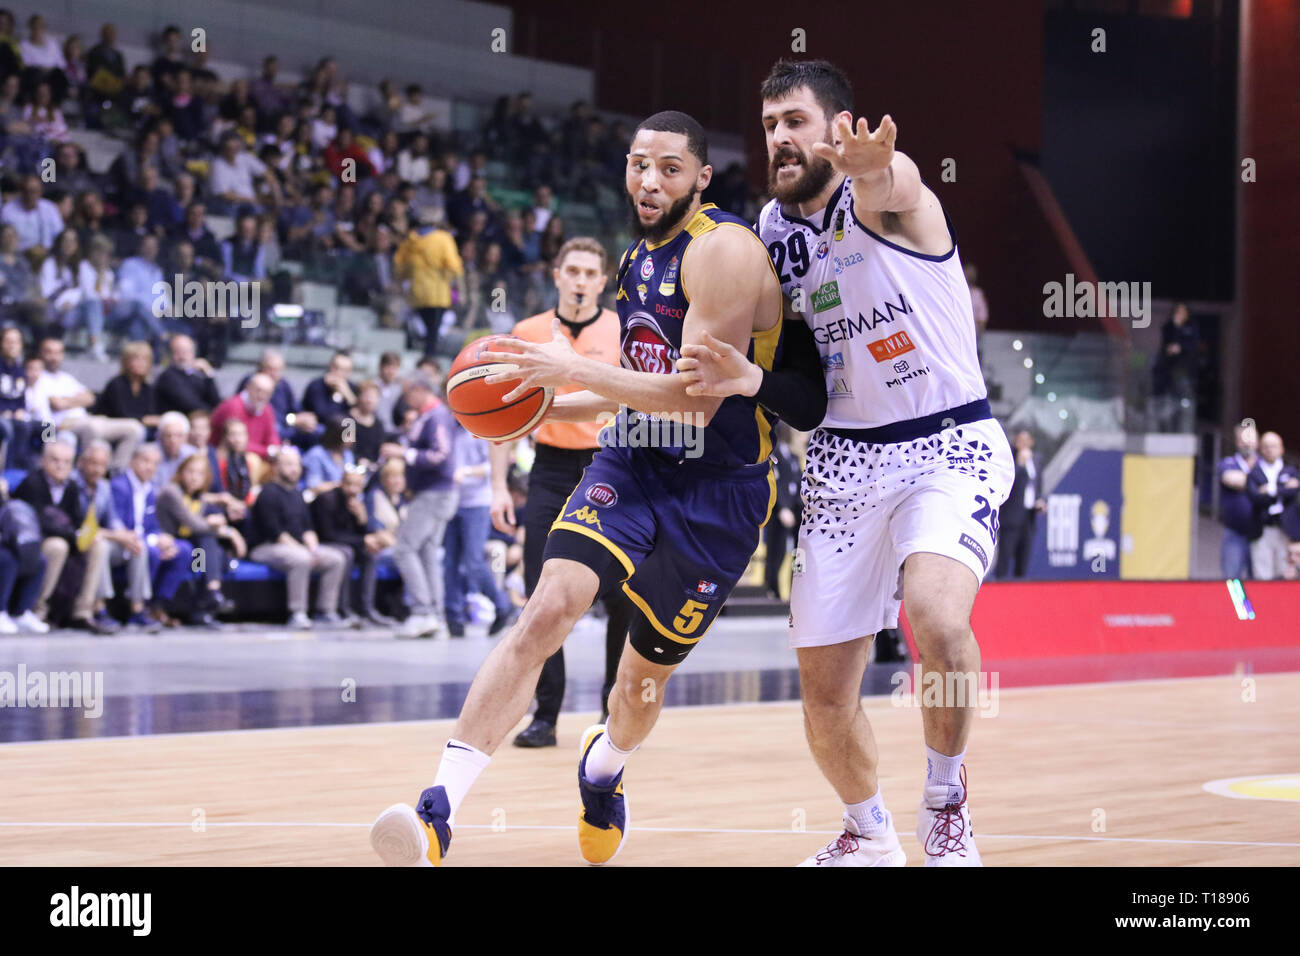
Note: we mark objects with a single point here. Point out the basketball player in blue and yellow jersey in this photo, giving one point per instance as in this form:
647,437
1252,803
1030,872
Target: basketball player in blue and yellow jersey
674,526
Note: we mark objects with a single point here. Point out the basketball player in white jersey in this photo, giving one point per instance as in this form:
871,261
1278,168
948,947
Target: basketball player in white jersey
906,474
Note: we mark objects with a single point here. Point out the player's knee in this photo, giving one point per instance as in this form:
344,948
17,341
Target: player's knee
939,631
829,714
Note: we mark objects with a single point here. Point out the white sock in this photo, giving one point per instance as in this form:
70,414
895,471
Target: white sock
604,760
459,768
945,771
868,816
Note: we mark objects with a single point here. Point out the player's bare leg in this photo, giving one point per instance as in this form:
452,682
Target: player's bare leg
503,687
939,593
497,699
841,741
634,705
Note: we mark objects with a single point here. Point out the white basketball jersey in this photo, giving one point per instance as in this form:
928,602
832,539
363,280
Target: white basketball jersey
894,327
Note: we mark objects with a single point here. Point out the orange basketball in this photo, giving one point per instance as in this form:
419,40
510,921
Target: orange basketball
479,406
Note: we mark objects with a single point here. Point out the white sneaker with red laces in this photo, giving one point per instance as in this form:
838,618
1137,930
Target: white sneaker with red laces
944,829
850,848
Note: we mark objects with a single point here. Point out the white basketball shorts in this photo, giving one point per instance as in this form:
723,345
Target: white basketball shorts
868,506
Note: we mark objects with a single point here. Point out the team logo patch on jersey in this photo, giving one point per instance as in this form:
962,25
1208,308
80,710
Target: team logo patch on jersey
642,290
602,494
975,547
882,350
826,297
833,363
709,588
822,249
646,348
647,268
669,284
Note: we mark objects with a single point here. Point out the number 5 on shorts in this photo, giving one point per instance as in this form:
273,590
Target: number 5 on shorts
689,617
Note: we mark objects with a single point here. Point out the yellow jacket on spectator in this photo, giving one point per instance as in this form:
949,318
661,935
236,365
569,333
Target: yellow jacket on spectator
431,261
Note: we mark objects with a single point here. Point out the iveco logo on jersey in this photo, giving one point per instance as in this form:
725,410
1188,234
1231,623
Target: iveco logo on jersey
646,348
882,350
602,494
846,328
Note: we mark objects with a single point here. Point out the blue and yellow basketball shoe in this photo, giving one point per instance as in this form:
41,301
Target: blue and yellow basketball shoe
602,822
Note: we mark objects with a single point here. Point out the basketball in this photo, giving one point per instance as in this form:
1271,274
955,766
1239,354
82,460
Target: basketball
480,407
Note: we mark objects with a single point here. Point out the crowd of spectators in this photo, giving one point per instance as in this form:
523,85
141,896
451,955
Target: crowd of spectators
132,506
387,203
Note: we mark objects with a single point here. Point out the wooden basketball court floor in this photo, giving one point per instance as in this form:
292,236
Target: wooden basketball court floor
1097,774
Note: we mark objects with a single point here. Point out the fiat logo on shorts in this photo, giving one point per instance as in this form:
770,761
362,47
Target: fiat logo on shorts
602,494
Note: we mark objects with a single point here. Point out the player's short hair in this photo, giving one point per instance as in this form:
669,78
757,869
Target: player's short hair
673,121
582,244
826,81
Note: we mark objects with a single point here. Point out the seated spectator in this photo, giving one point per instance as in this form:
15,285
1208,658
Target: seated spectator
186,109
342,149
19,435
331,395
386,503
201,438
129,394
269,98
174,446
390,387
60,399
232,174
189,511
207,251
285,539
325,465
71,165
124,172
241,254
237,472
152,583
91,477
22,569
20,293
130,231
88,216
186,385
68,305
170,60
43,60
36,218
252,406
137,278
70,568
342,520
292,423
367,426
105,68
413,161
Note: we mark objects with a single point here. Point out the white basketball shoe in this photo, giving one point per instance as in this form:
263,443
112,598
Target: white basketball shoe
944,828
851,848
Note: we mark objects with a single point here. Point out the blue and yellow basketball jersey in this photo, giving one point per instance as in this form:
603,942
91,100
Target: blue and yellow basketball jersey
652,304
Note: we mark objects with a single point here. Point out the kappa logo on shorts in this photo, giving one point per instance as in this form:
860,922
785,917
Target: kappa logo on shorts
975,546
586,515
602,495
797,561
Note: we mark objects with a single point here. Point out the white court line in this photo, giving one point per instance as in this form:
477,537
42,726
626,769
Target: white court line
538,826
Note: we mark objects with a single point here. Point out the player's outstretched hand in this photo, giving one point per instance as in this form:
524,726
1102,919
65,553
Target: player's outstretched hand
715,369
859,152
535,364
502,511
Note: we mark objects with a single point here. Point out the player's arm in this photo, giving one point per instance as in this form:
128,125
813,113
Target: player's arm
727,272
794,390
886,182
584,406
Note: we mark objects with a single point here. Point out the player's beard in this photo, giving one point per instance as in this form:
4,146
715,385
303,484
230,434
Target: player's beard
817,172
668,221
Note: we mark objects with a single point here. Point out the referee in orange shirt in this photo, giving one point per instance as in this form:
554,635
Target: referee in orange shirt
564,450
